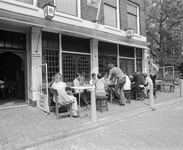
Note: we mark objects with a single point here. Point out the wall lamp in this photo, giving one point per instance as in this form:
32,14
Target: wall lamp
49,11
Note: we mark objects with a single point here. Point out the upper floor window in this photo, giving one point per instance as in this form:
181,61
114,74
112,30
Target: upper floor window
132,14
26,1
110,13
67,7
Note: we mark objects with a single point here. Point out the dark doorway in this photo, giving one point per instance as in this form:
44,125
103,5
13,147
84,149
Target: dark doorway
12,78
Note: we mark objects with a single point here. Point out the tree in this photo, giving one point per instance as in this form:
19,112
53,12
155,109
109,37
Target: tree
164,22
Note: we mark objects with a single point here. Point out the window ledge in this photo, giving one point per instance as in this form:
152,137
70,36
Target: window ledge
21,4
59,14
112,28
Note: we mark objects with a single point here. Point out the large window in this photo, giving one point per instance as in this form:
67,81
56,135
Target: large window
67,7
127,59
73,64
107,53
132,14
50,53
110,12
75,58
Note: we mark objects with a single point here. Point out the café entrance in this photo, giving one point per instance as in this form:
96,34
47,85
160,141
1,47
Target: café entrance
12,89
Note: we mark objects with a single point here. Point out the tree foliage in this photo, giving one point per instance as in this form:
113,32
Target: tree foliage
164,22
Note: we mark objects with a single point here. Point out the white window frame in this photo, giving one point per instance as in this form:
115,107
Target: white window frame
68,15
117,17
138,16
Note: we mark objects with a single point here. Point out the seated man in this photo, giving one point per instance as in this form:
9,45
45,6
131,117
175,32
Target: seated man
83,93
137,82
60,86
147,83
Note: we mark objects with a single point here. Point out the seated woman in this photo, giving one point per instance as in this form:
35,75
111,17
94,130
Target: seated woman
93,80
83,93
100,86
62,94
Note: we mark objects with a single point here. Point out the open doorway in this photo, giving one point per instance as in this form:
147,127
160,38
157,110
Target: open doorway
12,87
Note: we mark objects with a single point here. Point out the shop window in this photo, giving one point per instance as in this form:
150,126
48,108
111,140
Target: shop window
67,7
110,13
127,65
126,51
74,44
139,59
132,15
73,64
50,53
107,53
13,40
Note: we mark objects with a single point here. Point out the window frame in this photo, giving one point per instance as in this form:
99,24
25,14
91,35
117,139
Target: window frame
117,16
137,16
78,10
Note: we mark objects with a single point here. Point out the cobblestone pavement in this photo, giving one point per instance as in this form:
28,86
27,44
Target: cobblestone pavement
20,125
155,130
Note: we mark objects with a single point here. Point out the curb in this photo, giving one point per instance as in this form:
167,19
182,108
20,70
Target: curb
92,126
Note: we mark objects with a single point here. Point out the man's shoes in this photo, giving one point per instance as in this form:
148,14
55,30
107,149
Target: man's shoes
121,104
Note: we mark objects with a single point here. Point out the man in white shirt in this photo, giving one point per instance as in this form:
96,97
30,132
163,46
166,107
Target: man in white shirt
127,85
147,83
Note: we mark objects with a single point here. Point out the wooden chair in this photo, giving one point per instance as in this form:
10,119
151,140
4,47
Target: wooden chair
139,94
101,103
53,92
127,94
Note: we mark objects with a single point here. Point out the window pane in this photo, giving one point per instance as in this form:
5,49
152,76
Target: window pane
139,52
126,51
127,65
132,22
74,44
104,61
51,58
107,48
139,64
67,6
1,38
110,17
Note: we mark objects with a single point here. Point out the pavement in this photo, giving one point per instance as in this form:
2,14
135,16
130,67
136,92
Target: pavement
25,126
152,130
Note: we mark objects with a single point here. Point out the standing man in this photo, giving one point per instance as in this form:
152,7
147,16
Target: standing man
153,70
118,74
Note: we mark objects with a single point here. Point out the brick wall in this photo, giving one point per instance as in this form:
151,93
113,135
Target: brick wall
41,3
89,13
123,14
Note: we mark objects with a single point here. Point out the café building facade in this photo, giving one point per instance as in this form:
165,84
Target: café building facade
82,36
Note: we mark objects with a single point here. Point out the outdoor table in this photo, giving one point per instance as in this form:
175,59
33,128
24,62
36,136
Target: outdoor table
93,115
81,88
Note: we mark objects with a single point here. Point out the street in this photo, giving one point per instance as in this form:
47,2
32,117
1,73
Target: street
160,129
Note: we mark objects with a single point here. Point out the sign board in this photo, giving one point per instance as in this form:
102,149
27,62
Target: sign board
36,55
42,102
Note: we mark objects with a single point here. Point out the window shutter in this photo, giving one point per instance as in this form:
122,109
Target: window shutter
111,2
132,9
